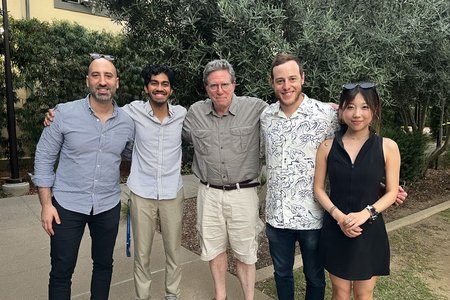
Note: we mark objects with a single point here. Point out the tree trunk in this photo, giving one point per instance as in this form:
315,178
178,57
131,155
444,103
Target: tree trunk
423,110
438,151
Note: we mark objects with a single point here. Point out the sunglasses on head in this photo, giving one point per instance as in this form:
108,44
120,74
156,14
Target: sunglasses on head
363,85
105,56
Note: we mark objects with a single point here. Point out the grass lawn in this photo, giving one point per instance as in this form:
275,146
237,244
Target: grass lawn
413,249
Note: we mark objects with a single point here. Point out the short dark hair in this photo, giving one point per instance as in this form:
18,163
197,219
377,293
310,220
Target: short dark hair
151,70
282,58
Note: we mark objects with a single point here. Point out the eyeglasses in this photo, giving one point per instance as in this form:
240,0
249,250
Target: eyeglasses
215,86
105,56
363,85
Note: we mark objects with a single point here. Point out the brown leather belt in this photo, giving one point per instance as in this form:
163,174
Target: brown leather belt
234,186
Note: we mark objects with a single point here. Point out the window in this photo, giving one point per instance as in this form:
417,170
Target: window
83,6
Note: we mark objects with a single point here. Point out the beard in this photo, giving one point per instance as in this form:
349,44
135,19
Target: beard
103,97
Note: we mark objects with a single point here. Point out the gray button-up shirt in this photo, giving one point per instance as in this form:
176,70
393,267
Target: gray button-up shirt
89,152
226,148
156,164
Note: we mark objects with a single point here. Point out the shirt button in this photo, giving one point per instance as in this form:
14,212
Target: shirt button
98,166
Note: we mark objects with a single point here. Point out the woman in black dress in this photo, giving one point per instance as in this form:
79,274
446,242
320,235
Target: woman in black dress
354,243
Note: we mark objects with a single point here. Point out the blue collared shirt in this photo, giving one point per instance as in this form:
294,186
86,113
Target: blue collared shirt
88,173
156,163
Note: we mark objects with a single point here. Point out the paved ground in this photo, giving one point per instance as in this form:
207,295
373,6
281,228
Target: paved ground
24,259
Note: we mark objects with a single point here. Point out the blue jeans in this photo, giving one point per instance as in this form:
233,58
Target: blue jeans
64,246
282,249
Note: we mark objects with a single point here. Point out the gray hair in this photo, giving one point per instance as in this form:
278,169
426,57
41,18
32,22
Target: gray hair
216,65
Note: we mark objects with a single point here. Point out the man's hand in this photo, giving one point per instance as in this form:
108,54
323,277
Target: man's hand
401,196
48,117
48,213
333,105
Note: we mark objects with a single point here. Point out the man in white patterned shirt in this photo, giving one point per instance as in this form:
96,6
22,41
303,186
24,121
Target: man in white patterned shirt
291,131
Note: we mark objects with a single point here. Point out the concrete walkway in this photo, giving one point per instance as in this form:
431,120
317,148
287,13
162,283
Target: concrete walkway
25,261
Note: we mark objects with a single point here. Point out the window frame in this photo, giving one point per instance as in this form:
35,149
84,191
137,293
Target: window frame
73,5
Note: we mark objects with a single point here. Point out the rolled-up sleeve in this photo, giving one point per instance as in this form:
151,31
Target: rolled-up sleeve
47,152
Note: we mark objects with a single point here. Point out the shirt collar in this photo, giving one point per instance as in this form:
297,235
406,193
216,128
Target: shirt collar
87,106
149,109
300,110
234,106
305,105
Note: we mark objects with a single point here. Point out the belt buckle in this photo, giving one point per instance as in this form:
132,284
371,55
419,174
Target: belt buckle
227,187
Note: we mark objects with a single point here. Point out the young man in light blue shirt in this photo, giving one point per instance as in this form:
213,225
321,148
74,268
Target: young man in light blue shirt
155,180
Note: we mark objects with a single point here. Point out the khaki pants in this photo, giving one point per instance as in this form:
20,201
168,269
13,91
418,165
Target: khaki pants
144,214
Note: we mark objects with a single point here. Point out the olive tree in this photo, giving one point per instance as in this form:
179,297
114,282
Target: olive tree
188,34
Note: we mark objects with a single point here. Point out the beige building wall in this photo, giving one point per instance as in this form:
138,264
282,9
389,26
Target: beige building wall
45,10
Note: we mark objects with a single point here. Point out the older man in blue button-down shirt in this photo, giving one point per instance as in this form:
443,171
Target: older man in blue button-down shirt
87,139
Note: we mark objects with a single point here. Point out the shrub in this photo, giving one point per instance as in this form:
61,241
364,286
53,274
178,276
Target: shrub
412,151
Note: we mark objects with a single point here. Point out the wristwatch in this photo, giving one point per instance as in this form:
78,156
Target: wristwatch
373,212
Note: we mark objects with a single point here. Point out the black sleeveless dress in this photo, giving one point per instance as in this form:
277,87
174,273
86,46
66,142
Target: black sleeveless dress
353,187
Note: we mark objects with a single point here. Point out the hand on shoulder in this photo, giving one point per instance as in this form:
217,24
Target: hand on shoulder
327,144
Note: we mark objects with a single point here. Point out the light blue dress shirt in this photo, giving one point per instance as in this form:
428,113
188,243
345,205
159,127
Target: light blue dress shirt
88,155
156,160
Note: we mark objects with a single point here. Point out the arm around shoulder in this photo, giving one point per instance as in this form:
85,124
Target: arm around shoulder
187,125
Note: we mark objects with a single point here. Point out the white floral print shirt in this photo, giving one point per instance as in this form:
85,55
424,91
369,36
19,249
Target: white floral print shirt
290,146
